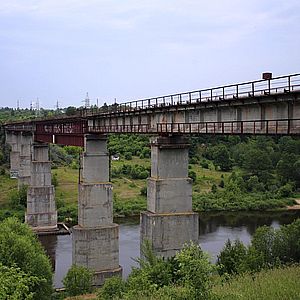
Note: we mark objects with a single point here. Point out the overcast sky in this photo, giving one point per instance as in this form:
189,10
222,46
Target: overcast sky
132,49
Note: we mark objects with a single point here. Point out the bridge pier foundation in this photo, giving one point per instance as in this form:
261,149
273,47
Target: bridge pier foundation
41,208
96,237
169,221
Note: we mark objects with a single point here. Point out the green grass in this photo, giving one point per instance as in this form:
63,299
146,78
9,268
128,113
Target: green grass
67,189
206,178
6,186
273,284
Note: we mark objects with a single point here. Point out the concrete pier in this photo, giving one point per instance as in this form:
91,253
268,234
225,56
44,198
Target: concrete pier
20,156
96,237
41,208
169,222
25,159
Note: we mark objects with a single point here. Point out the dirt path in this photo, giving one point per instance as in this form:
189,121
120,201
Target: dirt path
296,206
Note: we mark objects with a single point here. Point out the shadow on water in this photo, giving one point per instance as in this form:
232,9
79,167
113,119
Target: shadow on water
214,230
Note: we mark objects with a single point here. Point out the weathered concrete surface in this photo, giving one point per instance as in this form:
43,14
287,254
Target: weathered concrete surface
41,207
169,195
96,237
97,248
169,222
95,205
167,233
20,156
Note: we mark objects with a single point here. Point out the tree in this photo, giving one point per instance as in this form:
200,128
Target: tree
257,162
195,270
20,248
71,110
222,158
78,280
16,284
231,257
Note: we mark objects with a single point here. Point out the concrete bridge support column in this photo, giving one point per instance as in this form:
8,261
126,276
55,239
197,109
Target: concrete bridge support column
41,208
20,156
25,159
96,237
169,221
14,141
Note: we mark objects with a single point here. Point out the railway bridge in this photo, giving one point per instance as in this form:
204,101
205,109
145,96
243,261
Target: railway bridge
270,106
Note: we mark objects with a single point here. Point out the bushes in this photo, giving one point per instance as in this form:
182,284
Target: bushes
186,276
18,198
113,289
269,248
128,155
78,281
133,207
231,257
132,171
20,248
233,198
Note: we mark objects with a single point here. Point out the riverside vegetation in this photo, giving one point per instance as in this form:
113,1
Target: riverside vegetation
266,269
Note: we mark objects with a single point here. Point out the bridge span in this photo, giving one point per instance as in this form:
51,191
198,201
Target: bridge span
269,107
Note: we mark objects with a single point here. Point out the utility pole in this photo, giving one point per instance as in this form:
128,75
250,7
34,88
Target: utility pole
87,101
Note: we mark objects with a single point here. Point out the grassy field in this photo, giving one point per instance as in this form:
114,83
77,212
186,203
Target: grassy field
266,285
126,188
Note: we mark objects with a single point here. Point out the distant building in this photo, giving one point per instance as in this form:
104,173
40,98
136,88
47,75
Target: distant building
115,157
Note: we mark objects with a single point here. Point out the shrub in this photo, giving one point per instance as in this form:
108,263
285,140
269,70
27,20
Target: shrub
231,257
143,191
195,270
19,247
222,184
54,180
204,164
193,175
285,190
128,155
78,281
113,288
214,189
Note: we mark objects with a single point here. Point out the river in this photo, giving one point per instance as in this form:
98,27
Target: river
214,230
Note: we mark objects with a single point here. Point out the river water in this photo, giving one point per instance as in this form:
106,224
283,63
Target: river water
214,230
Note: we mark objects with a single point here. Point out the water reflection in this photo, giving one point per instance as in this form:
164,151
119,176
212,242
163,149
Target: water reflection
214,229
49,242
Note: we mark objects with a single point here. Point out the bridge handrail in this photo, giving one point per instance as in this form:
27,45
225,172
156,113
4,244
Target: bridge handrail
270,126
261,87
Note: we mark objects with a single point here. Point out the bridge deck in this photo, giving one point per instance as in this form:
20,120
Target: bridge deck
170,114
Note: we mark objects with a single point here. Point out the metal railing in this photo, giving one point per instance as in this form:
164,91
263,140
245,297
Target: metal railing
267,127
277,85
19,127
133,128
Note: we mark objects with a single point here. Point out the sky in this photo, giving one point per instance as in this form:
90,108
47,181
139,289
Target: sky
58,50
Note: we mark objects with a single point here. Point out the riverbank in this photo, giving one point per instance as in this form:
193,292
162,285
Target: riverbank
296,206
281,283
214,230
